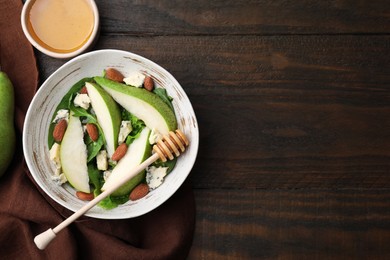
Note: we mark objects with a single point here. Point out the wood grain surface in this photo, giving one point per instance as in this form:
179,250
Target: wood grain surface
293,104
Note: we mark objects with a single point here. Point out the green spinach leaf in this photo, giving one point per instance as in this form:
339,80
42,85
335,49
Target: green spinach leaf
81,112
162,93
170,164
112,202
136,123
95,177
64,104
93,148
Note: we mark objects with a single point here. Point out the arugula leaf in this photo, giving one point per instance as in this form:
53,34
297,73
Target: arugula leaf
93,148
170,164
126,115
81,112
111,202
64,104
120,199
136,123
95,177
107,203
162,93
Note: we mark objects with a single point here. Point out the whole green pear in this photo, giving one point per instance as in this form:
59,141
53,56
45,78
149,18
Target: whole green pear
7,129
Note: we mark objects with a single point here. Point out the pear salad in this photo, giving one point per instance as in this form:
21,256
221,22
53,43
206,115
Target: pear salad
106,125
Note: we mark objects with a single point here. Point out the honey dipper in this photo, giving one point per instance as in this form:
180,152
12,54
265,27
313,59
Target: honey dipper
167,148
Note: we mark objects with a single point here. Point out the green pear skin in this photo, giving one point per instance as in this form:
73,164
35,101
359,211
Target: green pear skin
107,113
143,104
7,129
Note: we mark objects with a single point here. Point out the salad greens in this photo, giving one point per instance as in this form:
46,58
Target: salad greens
162,93
64,104
136,123
96,176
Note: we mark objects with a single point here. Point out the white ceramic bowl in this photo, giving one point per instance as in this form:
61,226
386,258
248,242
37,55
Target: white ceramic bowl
88,44
42,107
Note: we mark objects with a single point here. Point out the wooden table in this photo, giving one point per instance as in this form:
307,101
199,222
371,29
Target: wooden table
293,104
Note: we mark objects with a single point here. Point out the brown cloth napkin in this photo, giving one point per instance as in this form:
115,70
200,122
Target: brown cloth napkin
25,211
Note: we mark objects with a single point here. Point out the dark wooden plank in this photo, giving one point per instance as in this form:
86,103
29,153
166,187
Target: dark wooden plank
294,224
244,17
294,119
280,111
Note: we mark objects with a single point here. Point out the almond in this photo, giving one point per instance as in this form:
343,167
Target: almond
149,83
119,152
59,130
92,131
84,196
139,191
114,75
84,90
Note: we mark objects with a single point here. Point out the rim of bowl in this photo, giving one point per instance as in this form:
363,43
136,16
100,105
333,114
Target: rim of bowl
83,48
42,87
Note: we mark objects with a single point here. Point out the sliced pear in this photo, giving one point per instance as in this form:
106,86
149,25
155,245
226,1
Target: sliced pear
145,105
137,152
73,155
107,113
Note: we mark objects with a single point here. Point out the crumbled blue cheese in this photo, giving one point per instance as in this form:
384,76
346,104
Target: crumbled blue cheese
135,79
54,155
155,176
59,179
84,126
154,136
124,131
92,111
61,114
84,121
101,160
82,100
112,163
106,174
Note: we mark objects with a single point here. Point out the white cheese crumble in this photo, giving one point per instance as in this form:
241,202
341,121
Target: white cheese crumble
92,111
111,162
135,79
106,174
59,179
124,131
154,136
101,160
82,100
54,155
61,114
155,176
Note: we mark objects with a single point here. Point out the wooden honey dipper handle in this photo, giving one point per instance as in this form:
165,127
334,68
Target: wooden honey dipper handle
170,146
